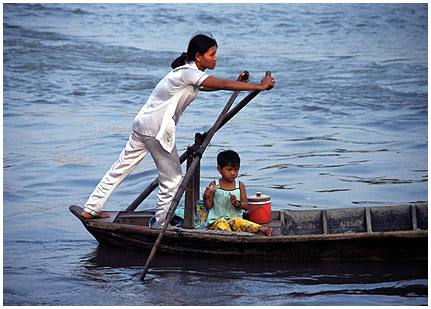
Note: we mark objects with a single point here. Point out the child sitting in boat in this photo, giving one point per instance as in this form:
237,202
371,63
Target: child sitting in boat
226,198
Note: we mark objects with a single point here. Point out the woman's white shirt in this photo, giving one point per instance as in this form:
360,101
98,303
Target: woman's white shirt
167,102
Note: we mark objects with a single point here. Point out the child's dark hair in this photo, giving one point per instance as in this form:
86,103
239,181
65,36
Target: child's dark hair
200,43
228,158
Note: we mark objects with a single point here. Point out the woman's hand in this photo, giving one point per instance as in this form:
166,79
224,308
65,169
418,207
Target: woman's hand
241,76
267,83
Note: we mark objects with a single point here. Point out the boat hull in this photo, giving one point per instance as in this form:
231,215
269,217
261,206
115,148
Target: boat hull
396,245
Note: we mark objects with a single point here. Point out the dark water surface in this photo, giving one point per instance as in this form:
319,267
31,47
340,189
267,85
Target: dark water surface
346,126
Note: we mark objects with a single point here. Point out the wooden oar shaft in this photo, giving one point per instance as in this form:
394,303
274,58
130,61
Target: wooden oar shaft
239,106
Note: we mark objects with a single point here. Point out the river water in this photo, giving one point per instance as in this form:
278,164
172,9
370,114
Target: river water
345,126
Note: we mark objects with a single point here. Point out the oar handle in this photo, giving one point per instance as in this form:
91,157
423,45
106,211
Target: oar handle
245,76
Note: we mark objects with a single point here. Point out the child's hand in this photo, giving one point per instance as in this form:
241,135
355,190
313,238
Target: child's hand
232,199
206,192
213,188
209,190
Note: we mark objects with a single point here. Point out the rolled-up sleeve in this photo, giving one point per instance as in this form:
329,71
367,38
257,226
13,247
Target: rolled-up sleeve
193,77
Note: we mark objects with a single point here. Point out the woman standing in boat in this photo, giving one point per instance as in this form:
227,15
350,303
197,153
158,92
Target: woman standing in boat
154,125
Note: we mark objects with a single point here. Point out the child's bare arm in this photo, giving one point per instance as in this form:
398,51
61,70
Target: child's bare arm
244,201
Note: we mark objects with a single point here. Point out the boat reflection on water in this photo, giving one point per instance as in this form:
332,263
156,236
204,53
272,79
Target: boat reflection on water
175,280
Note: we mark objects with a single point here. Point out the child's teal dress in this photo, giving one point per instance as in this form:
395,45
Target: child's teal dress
222,208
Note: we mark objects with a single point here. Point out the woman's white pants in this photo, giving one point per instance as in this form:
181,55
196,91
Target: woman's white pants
138,146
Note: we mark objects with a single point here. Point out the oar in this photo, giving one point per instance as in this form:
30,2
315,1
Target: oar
187,178
183,157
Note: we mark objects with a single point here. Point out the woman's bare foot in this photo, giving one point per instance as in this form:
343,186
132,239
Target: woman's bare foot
266,230
90,216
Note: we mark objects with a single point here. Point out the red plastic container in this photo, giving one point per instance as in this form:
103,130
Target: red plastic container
259,208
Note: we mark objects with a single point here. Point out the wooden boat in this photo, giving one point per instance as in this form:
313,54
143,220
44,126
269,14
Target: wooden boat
385,232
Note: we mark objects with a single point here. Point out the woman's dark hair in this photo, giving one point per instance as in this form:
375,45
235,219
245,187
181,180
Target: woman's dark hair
228,158
198,44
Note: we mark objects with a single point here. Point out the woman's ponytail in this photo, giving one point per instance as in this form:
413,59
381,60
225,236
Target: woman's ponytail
181,60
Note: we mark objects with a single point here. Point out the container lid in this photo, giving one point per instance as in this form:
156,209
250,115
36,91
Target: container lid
259,198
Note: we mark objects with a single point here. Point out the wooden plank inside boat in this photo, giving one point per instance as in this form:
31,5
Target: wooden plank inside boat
356,220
